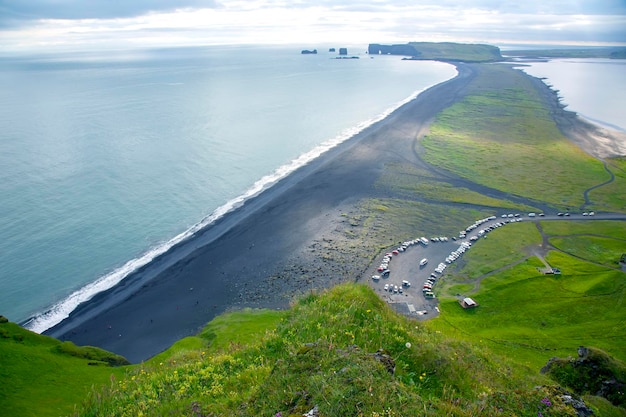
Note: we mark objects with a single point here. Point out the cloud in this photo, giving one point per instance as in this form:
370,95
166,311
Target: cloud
14,13
119,23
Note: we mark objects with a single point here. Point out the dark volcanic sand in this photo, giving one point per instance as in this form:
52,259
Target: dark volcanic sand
229,263
246,258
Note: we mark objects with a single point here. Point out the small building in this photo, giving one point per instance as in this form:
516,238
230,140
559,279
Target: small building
343,51
468,303
550,271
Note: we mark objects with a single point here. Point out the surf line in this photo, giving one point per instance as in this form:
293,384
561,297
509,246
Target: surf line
58,312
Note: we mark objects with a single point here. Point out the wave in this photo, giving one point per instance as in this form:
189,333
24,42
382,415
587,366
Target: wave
61,310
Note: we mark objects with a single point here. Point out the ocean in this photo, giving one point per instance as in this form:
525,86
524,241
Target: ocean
107,159
593,88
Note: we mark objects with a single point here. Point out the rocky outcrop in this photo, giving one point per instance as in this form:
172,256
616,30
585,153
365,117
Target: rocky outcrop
405,49
593,372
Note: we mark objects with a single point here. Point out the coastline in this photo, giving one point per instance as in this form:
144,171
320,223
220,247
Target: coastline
54,314
597,138
263,253
229,263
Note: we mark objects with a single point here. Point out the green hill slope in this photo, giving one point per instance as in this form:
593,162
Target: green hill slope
341,353
440,51
41,376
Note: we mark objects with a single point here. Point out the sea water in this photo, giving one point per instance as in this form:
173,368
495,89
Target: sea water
593,88
108,159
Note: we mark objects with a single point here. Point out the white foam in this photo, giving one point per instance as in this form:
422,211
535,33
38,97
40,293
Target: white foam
62,309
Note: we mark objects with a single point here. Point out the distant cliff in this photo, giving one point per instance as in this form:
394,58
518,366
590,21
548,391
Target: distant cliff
406,49
440,51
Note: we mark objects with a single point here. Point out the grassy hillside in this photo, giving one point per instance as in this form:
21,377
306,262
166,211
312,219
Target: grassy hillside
450,51
532,316
41,376
503,135
592,52
344,352
440,51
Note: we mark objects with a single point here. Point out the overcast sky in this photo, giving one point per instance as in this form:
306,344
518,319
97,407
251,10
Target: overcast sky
89,24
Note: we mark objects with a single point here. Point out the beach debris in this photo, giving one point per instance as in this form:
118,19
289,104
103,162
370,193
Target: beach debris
314,412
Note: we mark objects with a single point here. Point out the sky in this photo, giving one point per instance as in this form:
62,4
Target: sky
113,24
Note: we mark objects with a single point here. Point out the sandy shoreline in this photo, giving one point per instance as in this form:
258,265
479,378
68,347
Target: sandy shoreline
262,254
233,262
595,139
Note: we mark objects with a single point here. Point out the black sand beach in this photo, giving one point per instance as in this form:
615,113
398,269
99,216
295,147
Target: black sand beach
262,254
232,262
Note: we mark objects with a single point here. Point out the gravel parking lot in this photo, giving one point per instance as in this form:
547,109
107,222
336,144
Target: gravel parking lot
404,265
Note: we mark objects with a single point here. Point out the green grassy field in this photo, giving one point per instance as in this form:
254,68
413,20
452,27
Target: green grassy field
344,350
456,51
410,181
41,376
593,52
503,136
534,316
611,197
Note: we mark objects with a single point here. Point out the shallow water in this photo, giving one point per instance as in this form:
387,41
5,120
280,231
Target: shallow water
594,88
